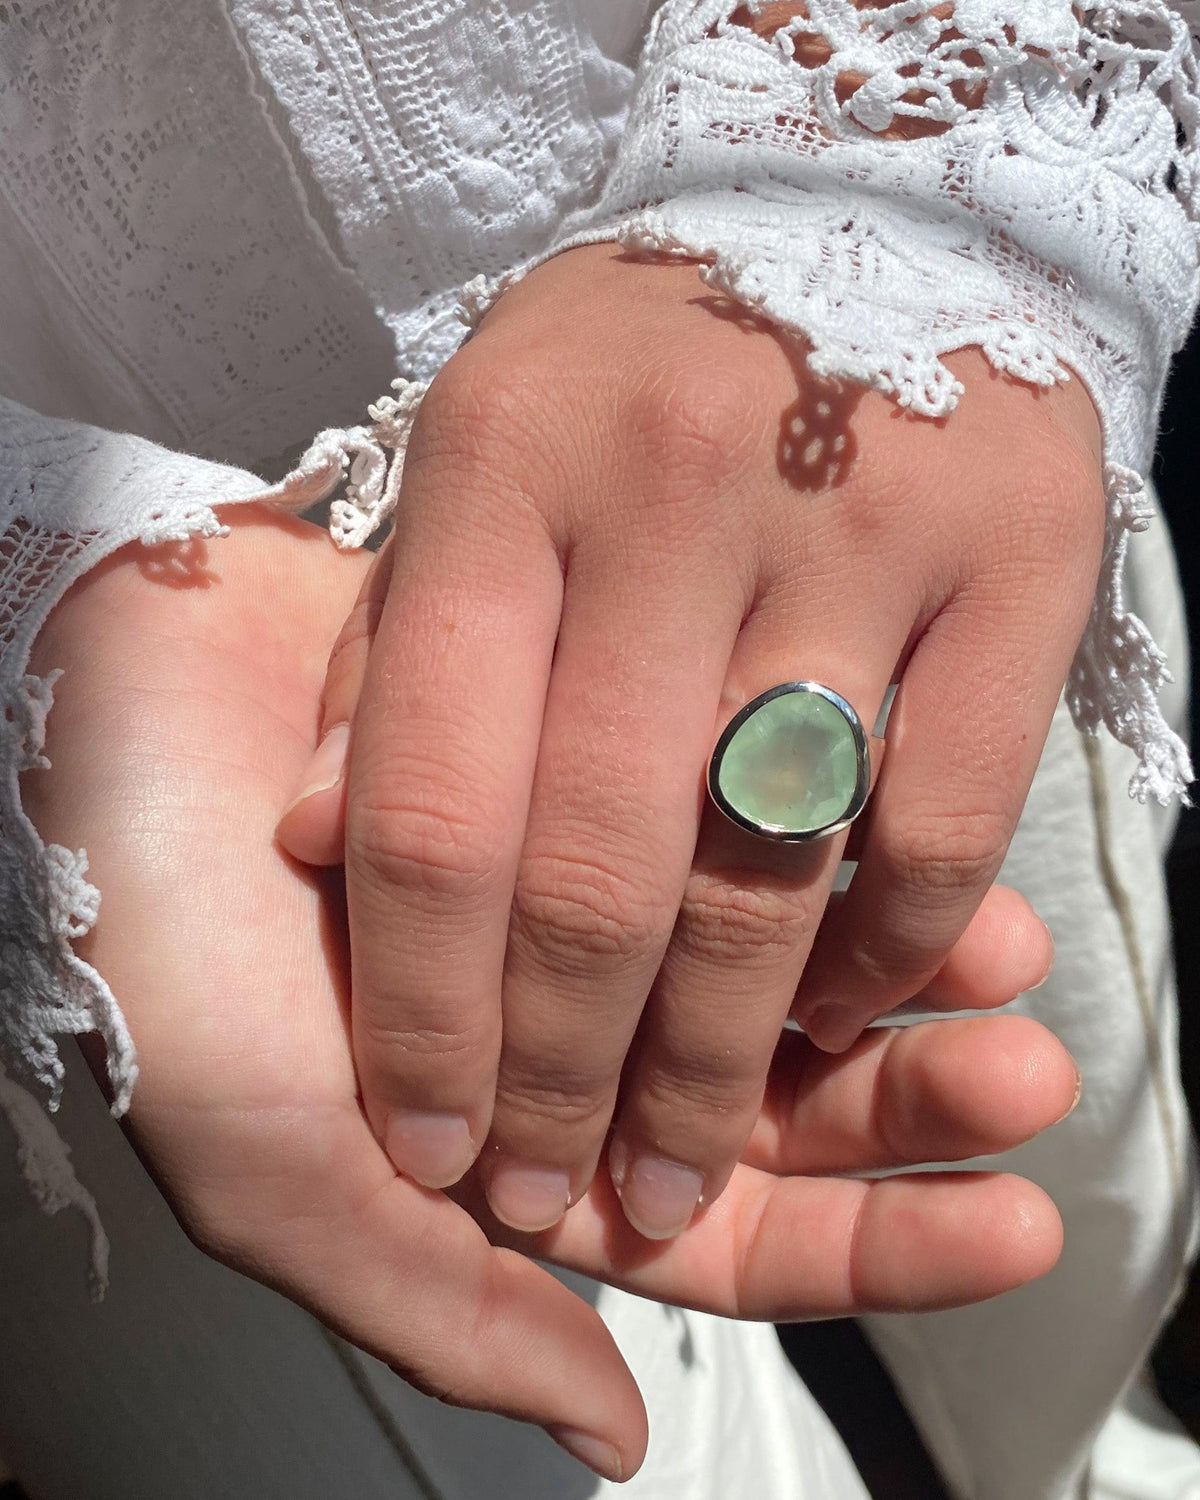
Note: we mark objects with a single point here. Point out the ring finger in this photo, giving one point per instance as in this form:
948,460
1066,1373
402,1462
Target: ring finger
746,924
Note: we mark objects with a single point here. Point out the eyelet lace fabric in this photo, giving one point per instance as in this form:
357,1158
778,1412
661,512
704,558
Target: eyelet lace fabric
888,181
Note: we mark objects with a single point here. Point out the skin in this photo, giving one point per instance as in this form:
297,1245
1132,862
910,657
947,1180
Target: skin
627,510
188,708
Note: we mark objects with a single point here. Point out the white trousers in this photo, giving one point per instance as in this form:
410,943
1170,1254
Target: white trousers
193,1383
1009,1395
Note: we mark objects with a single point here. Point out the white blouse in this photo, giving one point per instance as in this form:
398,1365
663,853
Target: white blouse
226,225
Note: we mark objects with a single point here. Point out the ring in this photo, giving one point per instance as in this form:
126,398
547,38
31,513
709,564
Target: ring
793,765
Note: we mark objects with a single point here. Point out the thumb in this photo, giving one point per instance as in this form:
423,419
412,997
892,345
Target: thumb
313,826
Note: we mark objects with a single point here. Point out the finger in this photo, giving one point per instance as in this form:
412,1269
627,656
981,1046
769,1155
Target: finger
785,1249
312,827
445,741
957,772
406,1275
1006,950
937,1091
611,831
746,922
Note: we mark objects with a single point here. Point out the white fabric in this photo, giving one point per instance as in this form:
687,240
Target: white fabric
1144,1451
226,225
1010,1394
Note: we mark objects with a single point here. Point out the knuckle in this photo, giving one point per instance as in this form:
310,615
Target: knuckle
1070,477
695,1083
1059,509
452,1385
723,920
436,842
945,853
450,1370
383,1030
580,915
289,1185
693,421
478,412
230,1230
221,1237
480,433
573,1099
938,863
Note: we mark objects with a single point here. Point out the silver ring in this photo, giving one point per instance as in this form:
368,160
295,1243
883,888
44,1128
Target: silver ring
793,765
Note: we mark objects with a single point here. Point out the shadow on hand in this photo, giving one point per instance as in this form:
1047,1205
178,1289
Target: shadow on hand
817,446
178,565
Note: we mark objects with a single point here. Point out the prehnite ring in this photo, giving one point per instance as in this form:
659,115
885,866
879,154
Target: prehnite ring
793,765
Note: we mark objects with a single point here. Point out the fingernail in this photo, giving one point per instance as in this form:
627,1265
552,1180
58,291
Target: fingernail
601,1457
833,1027
1050,965
528,1198
327,765
659,1197
433,1149
1074,1105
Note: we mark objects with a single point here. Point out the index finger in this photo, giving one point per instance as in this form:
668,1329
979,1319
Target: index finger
784,1249
445,743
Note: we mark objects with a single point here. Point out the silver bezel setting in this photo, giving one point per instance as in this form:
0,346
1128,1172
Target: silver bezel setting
862,746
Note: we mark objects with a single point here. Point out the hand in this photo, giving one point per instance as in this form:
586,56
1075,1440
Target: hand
606,547
183,716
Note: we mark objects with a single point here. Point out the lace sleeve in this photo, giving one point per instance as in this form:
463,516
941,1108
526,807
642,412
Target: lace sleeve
69,496
895,181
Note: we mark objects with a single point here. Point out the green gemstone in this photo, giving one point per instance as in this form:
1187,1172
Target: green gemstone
793,765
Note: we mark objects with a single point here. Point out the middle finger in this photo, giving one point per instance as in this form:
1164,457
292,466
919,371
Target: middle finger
608,843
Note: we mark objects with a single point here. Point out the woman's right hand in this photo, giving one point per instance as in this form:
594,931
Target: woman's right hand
187,711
